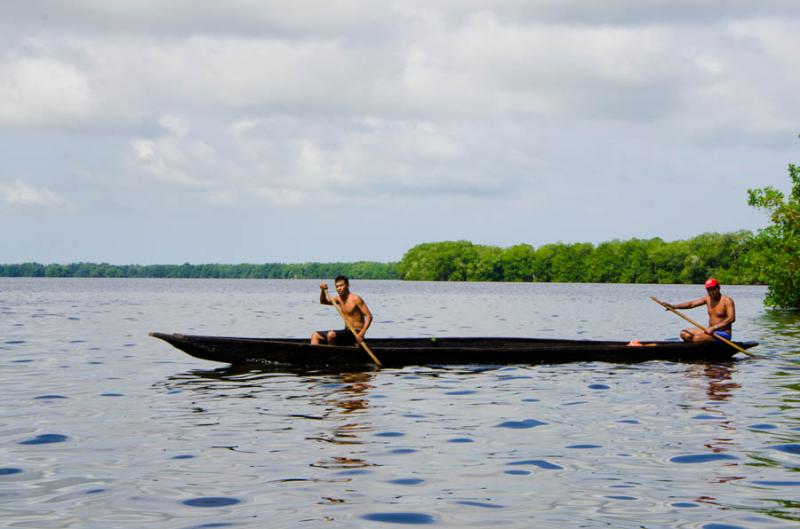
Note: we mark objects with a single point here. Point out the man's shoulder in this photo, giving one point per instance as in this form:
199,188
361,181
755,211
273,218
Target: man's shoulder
358,300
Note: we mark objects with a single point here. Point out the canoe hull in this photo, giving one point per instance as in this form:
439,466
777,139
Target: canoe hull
398,352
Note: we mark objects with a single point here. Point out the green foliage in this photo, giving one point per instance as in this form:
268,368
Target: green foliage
357,270
442,261
517,262
22,270
631,261
568,262
56,270
774,252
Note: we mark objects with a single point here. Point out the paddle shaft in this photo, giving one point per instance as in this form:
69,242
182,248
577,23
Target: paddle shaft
363,344
690,320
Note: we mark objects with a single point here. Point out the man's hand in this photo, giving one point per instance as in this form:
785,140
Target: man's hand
323,286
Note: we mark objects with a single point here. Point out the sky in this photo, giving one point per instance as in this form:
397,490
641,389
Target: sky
233,131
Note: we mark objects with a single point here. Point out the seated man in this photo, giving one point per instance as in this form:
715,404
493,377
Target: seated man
721,315
354,309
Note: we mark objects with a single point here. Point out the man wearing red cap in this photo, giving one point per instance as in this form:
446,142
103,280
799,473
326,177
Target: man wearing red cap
721,315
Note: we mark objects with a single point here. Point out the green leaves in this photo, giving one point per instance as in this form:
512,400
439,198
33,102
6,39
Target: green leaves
631,261
767,198
356,270
774,252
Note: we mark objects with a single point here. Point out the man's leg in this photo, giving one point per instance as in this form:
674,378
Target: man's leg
695,335
317,338
331,337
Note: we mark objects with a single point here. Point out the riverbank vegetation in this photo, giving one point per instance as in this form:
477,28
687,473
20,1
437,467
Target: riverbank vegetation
774,252
361,270
629,261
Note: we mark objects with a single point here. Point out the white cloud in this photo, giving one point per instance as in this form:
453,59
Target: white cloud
18,193
37,90
432,68
172,159
508,67
291,162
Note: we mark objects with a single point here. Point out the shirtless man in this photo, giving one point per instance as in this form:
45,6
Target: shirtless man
354,309
721,315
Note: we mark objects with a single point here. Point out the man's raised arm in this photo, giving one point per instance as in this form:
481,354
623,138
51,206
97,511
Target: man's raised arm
323,294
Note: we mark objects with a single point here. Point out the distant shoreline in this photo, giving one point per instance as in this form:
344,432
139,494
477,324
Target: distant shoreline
356,270
633,261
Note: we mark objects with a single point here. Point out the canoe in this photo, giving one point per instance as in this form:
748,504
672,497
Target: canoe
398,352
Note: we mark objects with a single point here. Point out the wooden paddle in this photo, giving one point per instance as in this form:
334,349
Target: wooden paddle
687,318
350,328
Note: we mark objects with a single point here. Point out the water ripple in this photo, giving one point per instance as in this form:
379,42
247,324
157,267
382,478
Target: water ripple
410,518
480,504
546,465
211,501
701,458
520,425
793,449
296,447
46,438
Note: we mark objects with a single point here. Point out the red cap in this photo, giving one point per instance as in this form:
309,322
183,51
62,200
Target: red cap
711,283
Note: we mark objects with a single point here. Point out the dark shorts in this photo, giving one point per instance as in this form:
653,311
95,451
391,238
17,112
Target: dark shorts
723,334
343,337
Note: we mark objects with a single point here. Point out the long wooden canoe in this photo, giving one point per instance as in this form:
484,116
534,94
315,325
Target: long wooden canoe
441,351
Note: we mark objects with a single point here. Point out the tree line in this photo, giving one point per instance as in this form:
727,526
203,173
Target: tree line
734,258
630,261
360,269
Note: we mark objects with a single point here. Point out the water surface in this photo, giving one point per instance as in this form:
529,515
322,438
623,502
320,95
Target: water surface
102,426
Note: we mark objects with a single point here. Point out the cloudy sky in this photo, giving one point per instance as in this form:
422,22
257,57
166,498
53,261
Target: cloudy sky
143,131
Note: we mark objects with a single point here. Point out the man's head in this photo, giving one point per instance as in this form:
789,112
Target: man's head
712,286
342,284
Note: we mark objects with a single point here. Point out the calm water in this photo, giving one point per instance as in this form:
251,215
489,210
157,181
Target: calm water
102,426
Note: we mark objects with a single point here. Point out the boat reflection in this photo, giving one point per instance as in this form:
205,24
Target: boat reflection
344,397
719,387
719,379
248,376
